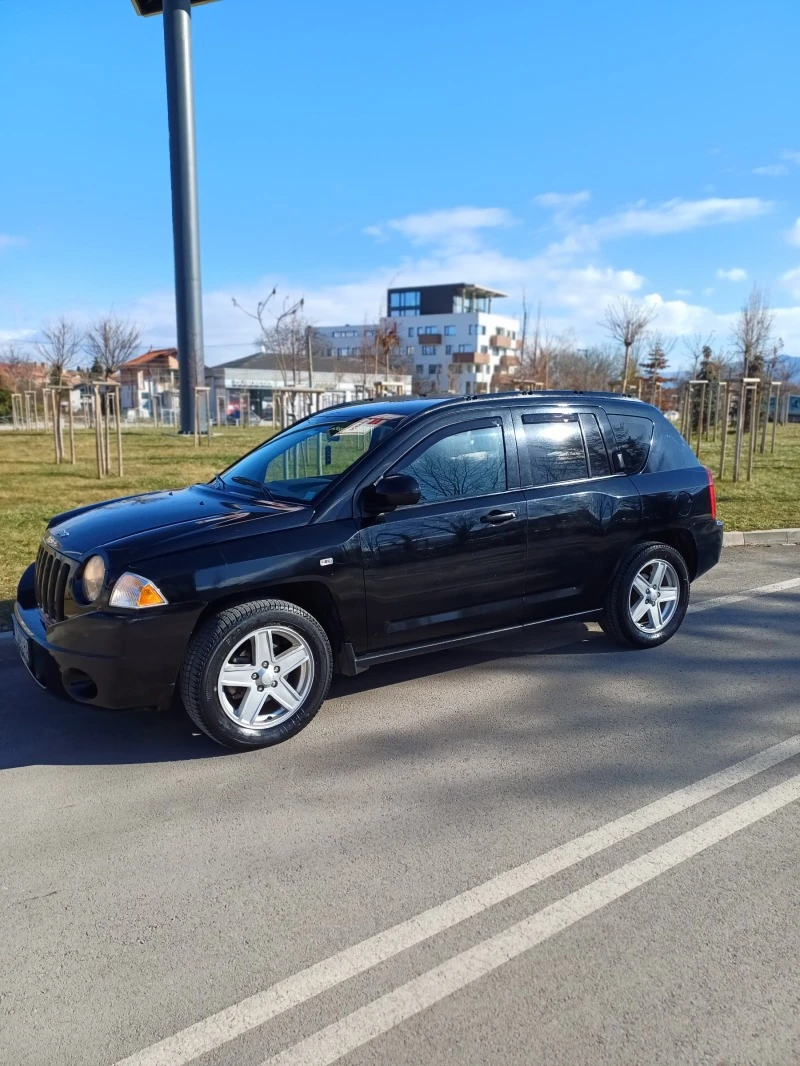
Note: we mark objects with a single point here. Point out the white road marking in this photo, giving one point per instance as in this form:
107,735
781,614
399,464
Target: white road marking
233,1021
737,597
378,1017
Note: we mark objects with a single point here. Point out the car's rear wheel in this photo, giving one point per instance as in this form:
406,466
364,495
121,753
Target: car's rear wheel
647,600
256,674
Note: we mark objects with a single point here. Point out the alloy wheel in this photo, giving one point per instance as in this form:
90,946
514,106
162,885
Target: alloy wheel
654,595
266,678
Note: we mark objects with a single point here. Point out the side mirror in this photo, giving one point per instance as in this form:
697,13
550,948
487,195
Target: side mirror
393,490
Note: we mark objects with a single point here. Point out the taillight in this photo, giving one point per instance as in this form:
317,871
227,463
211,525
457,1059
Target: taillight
712,493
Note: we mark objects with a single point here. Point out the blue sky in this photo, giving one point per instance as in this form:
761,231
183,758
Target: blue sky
570,151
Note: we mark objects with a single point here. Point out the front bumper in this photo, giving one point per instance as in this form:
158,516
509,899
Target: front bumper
107,660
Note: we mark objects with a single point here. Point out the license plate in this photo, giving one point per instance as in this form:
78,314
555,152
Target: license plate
23,644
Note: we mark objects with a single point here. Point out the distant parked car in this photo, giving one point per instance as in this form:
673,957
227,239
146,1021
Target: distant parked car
365,533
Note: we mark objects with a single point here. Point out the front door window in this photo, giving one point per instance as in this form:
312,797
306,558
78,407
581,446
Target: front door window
470,462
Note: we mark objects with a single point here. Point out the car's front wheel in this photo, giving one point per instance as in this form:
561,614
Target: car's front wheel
647,600
256,674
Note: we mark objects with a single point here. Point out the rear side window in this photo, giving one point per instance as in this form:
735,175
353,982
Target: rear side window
555,449
670,451
633,434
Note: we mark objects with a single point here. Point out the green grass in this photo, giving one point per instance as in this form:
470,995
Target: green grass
772,499
33,488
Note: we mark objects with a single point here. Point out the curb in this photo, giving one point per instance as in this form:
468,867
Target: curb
763,537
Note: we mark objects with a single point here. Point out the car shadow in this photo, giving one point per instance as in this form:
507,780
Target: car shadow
37,728
555,638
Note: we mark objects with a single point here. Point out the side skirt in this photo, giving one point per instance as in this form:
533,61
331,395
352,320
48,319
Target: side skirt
351,664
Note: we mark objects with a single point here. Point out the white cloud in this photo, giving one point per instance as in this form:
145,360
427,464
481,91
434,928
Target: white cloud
643,219
454,225
793,235
23,335
677,216
791,282
734,274
683,292
562,199
7,240
791,157
774,170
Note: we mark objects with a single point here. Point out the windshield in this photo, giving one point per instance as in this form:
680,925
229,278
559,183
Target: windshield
301,463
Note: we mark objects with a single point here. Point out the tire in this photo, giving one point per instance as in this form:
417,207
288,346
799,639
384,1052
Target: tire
658,620
233,685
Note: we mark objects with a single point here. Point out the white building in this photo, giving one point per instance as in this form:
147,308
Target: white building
448,335
345,342
453,340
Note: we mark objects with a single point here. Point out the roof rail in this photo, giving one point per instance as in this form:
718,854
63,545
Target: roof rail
546,393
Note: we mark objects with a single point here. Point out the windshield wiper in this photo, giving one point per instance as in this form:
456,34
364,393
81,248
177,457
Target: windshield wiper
253,485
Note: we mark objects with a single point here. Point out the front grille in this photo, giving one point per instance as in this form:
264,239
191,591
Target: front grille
51,577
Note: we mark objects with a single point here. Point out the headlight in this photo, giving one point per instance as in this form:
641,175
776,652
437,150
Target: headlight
93,575
133,591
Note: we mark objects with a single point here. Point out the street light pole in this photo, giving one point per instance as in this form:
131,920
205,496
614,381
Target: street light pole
185,214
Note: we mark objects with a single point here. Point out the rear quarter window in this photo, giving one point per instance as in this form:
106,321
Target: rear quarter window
633,435
669,451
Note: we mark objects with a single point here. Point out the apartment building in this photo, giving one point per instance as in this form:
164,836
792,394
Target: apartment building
345,342
453,338
449,336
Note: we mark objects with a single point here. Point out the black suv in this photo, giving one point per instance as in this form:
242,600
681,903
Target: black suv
364,533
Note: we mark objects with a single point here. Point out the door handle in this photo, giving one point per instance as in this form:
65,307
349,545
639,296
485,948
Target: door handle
496,518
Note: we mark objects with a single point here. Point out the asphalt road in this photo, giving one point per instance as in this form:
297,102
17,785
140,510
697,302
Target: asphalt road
150,881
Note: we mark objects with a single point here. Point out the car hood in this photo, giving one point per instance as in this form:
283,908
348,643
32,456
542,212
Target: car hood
158,522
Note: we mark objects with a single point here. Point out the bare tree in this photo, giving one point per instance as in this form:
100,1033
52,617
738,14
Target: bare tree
585,369
19,366
752,331
774,360
530,346
60,345
695,345
110,343
282,333
554,351
542,353
626,321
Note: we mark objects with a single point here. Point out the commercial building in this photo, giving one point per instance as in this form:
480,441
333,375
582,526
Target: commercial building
247,386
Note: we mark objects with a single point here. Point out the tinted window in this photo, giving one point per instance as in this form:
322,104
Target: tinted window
595,448
471,462
555,449
669,450
633,434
